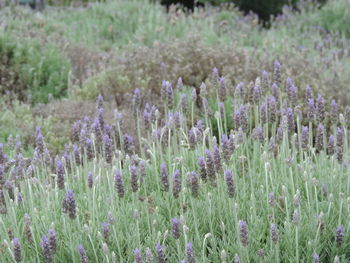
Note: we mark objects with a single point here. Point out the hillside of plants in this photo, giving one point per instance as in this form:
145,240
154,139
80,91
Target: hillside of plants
136,132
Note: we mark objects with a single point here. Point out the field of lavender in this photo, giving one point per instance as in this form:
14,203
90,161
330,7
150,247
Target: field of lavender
169,149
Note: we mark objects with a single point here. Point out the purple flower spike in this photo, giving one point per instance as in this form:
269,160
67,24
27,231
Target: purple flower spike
160,254
315,258
304,137
119,183
237,259
184,103
319,137
277,72
339,238
230,184
217,159
176,184
149,255
311,109
239,91
334,112
134,178
320,109
99,102
202,169
89,148
272,199
82,253
215,76
137,255
265,80
256,94
136,100
71,205
340,137
39,141
243,229
45,245
330,145
194,184
128,144
105,231
210,167
190,258
222,89
309,93
90,180
170,95
17,250
52,236
275,91
60,174
175,228
164,177
263,113
107,148
274,233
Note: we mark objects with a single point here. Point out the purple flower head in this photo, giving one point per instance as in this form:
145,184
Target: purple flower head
128,144
82,253
119,183
137,256
265,80
339,238
230,183
340,137
99,102
190,258
105,231
17,250
100,118
277,72
164,177
256,94
71,205
222,89
39,141
309,93
258,134
89,148
263,113
202,169
179,84
320,109
291,122
274,233
304,137
239,91
149,255
52,236
192,138
76,152
45,245
334,112
176,184
194,95
215,76
134,178
275,91
331,145
60,174
315,258
243,230
217,159
210,167
136,100
170,95
319,137
194,184
293,93
175,228
237,259
160,254
184,103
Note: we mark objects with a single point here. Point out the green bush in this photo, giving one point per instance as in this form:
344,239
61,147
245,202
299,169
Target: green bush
41,69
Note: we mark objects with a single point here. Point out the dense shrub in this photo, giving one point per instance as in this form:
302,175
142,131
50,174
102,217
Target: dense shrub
39,69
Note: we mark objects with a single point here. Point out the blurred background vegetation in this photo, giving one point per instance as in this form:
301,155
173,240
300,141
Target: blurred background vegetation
55,62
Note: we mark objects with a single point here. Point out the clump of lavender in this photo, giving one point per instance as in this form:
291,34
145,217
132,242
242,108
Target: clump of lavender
82,253
339,238
17,250
176,184
274,233
45,245
60,174
230,183
119,183
175,228
137,256
70,204
243,230
160,254
164,177
190,258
